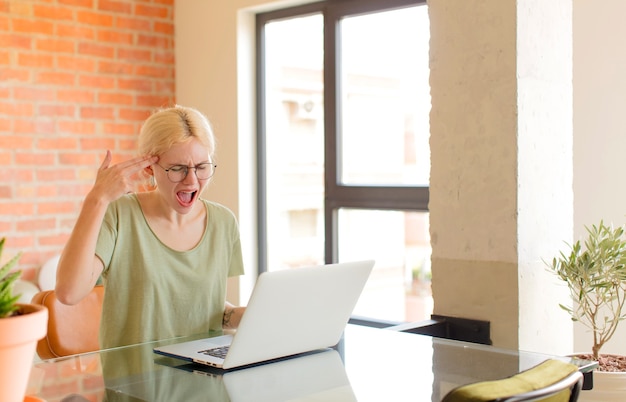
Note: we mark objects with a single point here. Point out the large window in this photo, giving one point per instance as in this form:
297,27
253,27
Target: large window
344,159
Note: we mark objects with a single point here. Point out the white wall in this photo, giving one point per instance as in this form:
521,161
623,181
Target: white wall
599,127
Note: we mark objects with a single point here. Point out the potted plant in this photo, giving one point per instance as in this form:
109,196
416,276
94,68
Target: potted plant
596,277
21,326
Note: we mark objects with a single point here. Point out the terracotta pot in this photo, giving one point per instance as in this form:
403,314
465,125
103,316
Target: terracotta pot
18,340
607,387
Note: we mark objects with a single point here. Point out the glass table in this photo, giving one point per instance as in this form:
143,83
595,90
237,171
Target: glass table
368,364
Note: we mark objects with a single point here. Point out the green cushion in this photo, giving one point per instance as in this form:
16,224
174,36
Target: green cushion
540,376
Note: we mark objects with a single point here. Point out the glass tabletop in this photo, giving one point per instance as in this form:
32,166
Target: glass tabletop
368,364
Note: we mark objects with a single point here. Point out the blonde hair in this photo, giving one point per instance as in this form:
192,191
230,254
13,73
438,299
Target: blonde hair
174,125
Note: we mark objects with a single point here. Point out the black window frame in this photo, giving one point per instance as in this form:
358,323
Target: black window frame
337,195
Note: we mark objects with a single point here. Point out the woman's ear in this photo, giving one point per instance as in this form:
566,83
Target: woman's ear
150,173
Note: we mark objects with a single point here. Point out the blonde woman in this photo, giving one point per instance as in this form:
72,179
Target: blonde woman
164,255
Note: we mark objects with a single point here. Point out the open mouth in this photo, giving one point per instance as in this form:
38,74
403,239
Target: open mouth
186,198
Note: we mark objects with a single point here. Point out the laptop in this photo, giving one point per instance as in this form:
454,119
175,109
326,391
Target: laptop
290,312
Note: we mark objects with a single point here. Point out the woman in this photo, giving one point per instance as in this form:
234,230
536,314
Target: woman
164,255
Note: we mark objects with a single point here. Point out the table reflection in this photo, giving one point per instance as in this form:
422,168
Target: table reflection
367,365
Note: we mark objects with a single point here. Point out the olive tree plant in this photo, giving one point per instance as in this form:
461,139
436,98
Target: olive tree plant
596,277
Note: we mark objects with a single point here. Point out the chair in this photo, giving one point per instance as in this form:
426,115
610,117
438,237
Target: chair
550,381
71,329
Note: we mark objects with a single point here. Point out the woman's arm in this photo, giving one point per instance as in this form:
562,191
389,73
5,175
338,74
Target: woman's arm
232,316
79,268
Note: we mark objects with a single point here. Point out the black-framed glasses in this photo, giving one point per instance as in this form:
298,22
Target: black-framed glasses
178,173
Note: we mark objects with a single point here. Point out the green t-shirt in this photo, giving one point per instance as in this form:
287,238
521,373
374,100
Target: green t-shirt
153,292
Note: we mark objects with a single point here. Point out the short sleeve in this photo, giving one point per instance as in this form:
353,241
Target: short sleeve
107,237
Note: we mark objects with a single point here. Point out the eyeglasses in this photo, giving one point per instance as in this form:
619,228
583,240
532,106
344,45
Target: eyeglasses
178,173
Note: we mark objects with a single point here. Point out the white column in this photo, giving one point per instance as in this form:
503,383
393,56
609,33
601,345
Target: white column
501,175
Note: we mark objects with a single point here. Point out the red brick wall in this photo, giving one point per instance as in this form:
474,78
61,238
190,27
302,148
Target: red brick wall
77,77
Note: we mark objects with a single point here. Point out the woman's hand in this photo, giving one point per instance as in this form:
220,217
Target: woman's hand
113,181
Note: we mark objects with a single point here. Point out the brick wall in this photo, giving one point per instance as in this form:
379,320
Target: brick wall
77,77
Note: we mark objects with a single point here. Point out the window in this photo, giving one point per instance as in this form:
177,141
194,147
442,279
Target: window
344,160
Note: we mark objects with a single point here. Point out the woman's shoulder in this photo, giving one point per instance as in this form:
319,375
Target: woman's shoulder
217,208
125,202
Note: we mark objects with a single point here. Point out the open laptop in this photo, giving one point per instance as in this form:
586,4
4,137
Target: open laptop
289,312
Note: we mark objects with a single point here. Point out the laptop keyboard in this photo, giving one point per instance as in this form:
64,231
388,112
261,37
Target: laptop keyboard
219,352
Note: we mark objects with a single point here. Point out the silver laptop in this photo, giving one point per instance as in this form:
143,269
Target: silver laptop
289,312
